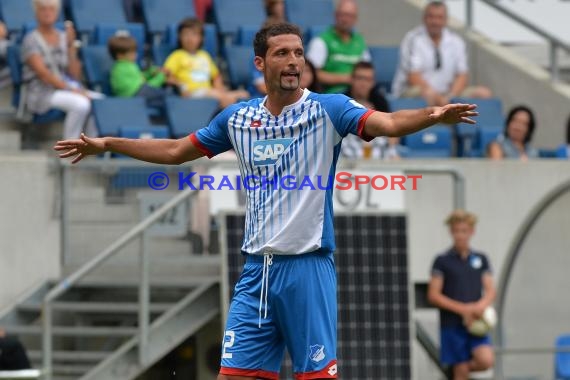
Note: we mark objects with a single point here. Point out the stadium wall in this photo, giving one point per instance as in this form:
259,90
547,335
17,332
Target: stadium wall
29,243
512,77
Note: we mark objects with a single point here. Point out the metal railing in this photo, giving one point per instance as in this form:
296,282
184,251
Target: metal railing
554,42
138,231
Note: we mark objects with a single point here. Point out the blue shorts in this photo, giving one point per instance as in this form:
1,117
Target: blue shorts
457,344
301,316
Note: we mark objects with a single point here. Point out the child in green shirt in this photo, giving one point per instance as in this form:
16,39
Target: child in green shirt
128,80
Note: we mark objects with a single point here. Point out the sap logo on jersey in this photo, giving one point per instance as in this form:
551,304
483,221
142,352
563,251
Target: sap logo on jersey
267,152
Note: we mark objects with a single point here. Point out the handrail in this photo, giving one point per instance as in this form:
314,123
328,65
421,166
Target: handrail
554,41
111,250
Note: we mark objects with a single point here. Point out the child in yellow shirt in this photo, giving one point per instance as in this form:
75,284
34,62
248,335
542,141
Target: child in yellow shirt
194,68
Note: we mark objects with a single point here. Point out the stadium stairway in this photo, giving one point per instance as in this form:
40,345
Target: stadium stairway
95,322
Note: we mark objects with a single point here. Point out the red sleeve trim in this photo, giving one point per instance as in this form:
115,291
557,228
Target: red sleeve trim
362,123
329,372
257,373
200,146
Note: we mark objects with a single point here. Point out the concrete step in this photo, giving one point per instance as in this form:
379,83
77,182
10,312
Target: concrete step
10,141
95,307
75,331
71,356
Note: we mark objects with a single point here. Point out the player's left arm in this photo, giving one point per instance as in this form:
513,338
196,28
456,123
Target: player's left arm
404,122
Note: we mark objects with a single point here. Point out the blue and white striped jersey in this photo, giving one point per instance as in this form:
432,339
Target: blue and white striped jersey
287,164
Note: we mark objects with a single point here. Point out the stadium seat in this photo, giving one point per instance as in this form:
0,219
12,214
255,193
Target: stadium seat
15,65
104,31
562,359
406,103
187,115
210,38
160,53
158,15
144,132
112,114
485,136
308,13
16,13
231,14
434,142
385,60
239,65
97,63
86,14
490,116
562,151
246,35
314,31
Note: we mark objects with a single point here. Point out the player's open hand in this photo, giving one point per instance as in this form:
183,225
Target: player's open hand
455,113
80,148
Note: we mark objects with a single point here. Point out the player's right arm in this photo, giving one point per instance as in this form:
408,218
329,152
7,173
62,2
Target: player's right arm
159,151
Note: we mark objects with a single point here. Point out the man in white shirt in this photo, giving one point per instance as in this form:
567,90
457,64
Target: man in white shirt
433,62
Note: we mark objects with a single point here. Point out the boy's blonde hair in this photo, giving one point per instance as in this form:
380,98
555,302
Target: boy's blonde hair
461,216
121,44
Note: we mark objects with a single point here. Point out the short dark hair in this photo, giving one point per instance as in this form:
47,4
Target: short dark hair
121,45
260,45
362,65
531,121
190,23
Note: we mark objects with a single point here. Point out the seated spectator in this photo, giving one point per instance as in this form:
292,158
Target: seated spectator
363,89
13,355
308,80
52,72
563,150
128,80
195,69
433,62
275,10
516,138
338,49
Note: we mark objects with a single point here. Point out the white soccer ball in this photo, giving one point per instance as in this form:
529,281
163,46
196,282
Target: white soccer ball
486,323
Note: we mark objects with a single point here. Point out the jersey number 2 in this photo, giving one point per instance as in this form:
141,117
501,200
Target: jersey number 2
229,339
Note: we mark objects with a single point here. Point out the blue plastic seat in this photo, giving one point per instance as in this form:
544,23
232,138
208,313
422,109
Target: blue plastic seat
469,136
434,142
158,14
15,65
159,53
144,132
104,31
112,114
406,103
239,65
86,14
306,13
187,115
562,359
385,60
16,13
245,35
97,64
231,14
210,38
